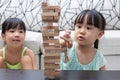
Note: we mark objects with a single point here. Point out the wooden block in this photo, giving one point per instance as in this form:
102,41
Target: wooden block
51,41
45,10
51,66
44,18
51,57
51,60
46,28
50,31
50,18
54,50
56,18
52,45
51,54
51,8
50,14
50,24
54,63
45,38
57,10
44,4
52,72
50,35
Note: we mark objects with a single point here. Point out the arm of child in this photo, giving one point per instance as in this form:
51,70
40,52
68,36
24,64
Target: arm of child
33,59
66,40
34,62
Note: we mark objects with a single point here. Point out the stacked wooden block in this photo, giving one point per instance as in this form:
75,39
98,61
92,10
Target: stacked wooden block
52,49
50,13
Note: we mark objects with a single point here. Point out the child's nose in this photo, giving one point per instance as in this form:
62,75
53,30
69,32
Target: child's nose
82,30
17,34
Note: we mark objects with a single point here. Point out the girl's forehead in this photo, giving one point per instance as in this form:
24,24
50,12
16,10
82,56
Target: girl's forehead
89,20
16,29
83,18
84,24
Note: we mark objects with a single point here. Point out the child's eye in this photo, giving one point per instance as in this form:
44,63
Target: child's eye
12,31
79,26
21,31
89,28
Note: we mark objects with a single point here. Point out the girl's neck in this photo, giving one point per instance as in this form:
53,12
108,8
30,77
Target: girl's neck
84,48
14,50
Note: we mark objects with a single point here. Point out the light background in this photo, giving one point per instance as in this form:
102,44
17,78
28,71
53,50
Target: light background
30,11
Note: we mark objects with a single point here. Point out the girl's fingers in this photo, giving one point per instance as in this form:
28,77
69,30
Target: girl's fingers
68,41
67,33
64,38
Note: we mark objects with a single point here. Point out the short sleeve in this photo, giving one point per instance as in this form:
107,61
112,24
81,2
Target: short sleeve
102,60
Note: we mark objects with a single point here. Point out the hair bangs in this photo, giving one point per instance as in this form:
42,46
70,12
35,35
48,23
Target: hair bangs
16,24
79,19
90,19
93,19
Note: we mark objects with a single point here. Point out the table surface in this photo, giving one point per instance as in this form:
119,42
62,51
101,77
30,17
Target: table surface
6,74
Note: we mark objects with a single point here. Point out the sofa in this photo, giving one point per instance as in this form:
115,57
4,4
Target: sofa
109,44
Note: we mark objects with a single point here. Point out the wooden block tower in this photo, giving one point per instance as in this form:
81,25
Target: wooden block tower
52,49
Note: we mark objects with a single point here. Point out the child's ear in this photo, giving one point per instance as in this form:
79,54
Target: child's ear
100,34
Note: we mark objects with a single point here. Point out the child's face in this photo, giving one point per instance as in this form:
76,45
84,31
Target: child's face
87,34
14,37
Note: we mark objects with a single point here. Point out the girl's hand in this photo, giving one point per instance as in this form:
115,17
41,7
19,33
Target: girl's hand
66,40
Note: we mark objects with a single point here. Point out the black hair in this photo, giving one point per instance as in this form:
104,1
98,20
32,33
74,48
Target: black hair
13,23
93,18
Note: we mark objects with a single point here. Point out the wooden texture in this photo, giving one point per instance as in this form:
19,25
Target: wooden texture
50,31
52,54
51,66
52,48
50,13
